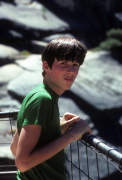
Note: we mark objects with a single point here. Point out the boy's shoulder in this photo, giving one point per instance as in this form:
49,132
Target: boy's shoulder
39,92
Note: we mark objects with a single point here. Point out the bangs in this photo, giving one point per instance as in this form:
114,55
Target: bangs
70,53
64,48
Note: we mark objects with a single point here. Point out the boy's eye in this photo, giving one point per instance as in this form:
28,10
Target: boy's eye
63,63
76,65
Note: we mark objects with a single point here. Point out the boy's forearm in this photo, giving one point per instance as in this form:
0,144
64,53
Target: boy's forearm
43,153
26,161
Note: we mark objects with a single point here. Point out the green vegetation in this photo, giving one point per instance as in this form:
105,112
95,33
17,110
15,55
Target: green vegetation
44,10
113,41
115,33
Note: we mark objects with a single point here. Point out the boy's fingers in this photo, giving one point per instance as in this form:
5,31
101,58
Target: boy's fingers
73,120
76,118
69,116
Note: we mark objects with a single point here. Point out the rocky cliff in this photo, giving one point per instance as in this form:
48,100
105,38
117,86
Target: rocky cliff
97,93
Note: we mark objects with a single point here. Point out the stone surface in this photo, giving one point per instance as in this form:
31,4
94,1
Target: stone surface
36,20
100,75
99,81
7,52
96,82
31,63
9,72
32,16
97,93
20,86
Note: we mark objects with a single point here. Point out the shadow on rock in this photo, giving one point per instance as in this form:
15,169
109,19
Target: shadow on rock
117,55
116,175
106,122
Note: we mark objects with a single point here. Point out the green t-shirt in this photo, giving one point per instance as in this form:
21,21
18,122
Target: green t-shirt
40,106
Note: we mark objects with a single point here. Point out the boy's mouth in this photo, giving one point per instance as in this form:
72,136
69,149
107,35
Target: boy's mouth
69,79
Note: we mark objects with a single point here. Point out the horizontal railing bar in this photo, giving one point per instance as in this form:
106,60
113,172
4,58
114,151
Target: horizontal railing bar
8,172
8,114
109,152
2,166
5,143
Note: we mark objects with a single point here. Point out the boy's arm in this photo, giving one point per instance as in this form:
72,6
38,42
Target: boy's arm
28,155
14,143
66,121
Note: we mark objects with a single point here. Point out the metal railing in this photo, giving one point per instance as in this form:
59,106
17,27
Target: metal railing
86,159
92,159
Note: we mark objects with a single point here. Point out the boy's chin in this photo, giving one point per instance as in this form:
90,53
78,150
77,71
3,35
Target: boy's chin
68,88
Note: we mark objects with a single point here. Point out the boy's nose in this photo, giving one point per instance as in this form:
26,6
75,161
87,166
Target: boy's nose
71,70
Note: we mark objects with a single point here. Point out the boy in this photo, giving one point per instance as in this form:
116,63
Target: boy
42,136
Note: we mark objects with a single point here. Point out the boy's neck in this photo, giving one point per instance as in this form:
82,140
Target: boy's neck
52,87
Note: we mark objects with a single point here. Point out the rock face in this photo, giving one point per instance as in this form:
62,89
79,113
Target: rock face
97,92
7,54
5,72
31,76
35,20
96,78
95,96
100,77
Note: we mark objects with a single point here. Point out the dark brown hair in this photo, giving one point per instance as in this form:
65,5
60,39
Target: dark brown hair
64,48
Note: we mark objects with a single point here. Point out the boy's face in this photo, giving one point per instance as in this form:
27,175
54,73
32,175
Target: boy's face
62,75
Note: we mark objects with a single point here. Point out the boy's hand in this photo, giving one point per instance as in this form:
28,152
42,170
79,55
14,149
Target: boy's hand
80,128
67,121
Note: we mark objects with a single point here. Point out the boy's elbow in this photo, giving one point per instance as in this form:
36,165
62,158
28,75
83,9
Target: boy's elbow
21,166
13,150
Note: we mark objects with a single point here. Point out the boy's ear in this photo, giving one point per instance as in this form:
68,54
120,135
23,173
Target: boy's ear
45,66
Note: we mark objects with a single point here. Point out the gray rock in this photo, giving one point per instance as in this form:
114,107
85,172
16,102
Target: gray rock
22,2
24,83
6,138
31,76
96,82
118,19
7,52
7,104
33,16
68,105
120,121
9,72
99,84
99,81
5,152
51,37
31,63
119,16
36,47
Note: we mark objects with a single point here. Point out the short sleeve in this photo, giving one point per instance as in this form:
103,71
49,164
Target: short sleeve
38,109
